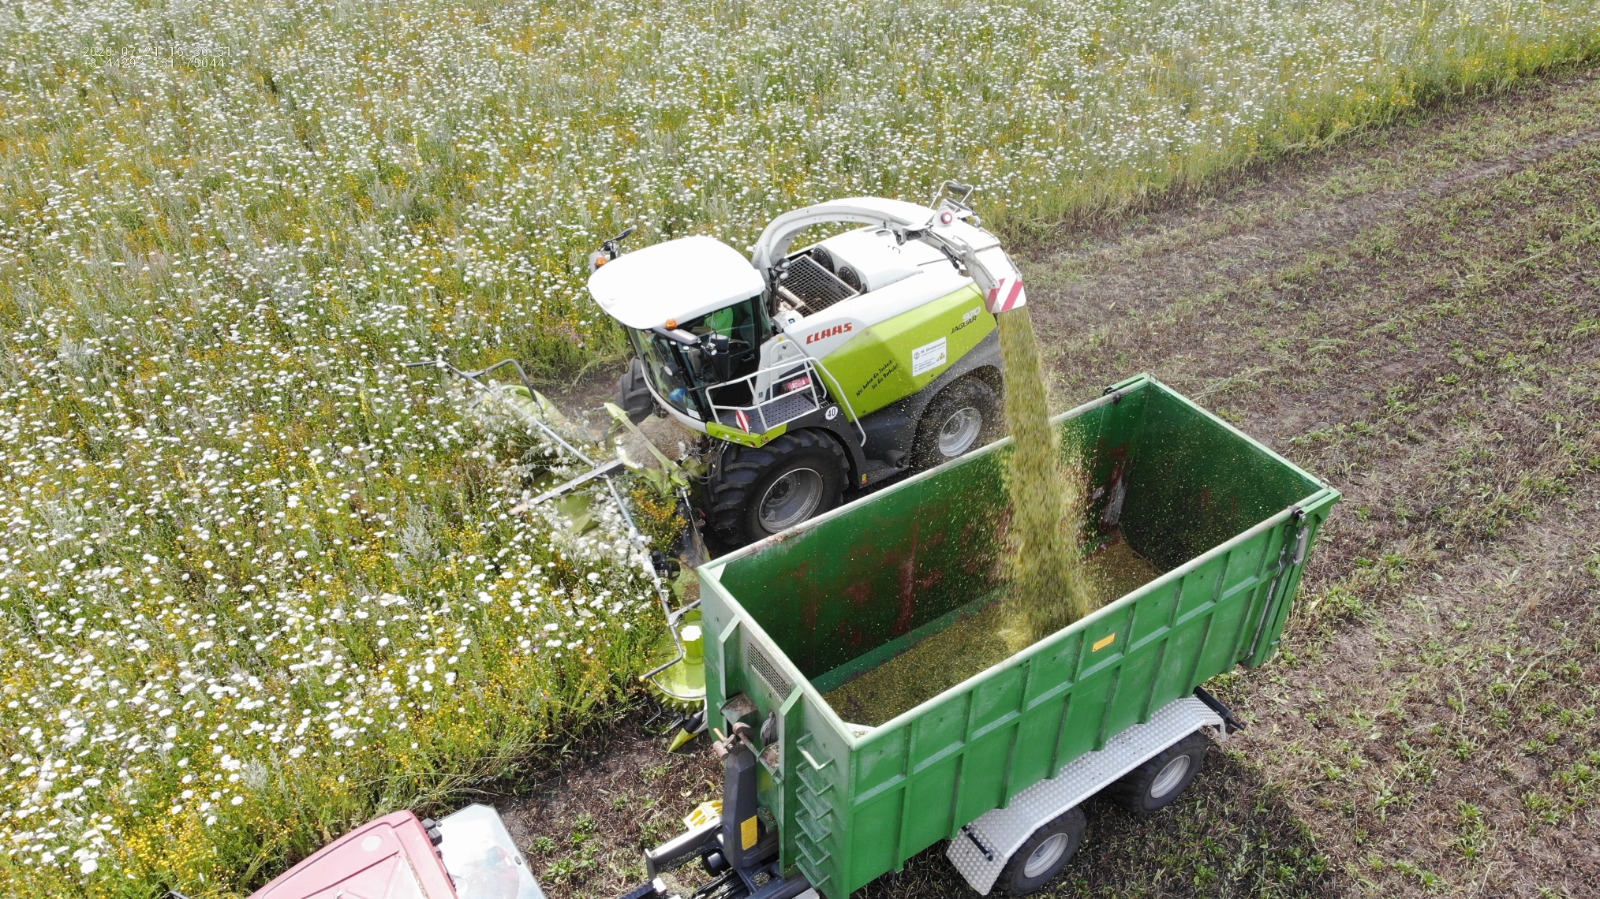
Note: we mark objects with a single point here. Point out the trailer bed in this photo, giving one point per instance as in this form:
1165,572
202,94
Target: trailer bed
962,644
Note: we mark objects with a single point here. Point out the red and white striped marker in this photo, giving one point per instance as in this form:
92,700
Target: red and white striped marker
1006,296
744,423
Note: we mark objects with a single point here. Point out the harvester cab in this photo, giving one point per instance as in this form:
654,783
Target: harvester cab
829,368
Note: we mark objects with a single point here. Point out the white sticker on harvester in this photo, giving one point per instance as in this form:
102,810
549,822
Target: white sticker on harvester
928,357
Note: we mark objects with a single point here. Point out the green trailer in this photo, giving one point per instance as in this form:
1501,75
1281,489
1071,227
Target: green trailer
865,708
997,763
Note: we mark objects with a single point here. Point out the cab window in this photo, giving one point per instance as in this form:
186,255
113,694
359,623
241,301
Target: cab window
683,373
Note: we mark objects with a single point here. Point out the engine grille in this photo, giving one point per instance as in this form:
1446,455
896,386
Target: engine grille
810,286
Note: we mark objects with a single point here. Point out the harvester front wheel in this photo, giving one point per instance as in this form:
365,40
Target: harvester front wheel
963,417
757,491
1042,855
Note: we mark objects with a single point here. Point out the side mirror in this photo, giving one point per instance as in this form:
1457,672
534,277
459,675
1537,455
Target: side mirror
678,336
609,250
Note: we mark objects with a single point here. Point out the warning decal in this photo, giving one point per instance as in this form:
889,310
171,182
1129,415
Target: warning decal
928,357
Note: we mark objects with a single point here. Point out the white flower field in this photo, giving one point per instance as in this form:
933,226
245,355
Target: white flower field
260,582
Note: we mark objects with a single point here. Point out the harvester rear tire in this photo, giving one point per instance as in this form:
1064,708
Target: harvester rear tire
749,480
1159,782
633,396
963,417
1043,854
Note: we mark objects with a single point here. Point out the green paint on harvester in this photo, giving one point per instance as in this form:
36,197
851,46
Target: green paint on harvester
971,644
1048,586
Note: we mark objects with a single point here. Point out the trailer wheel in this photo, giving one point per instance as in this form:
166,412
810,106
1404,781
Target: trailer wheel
757,491
1157,783
963,417
1043,854
632,395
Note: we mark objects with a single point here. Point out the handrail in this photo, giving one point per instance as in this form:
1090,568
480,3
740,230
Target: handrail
759,408
839,391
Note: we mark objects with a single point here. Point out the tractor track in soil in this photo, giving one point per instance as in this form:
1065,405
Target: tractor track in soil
1415,317
1301,205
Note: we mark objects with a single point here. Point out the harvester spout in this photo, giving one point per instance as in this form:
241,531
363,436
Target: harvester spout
951,227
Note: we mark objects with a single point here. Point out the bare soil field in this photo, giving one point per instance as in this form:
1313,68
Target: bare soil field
1415,317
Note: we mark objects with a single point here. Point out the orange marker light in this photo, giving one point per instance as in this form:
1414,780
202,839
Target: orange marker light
672,324
601,260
